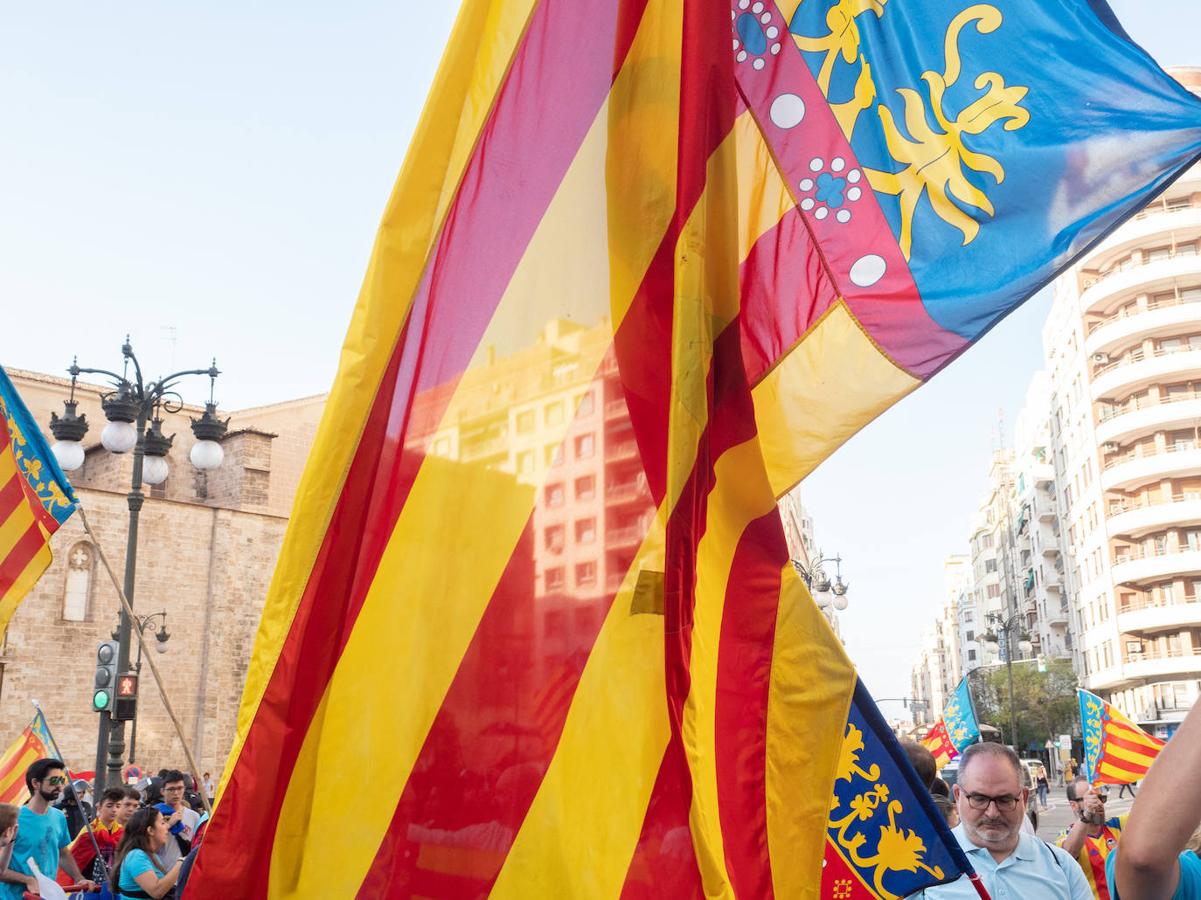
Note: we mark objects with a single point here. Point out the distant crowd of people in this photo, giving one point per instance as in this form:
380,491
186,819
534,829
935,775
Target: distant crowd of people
134,842
1150,854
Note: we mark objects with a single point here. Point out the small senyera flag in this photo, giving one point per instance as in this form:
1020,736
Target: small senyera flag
938,742
35,499
647,264
33,743
1116,751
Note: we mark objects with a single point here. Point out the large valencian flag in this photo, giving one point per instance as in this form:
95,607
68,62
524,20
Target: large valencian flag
534,631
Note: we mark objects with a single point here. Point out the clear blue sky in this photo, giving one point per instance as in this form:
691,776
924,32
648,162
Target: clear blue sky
215,172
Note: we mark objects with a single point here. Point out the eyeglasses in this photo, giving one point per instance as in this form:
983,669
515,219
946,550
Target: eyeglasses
56,780
1005,802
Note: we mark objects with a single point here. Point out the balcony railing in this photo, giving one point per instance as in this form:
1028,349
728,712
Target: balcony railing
1129,264
1124,506
1139,355
1128,312
1177,447
1134,404
1137,603
1132,553
1178,653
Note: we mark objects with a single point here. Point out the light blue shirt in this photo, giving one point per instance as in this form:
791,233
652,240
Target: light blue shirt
1188,888
1034,871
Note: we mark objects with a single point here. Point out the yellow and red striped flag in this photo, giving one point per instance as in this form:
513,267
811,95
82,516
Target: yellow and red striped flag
32,744
938,742
1116,751
534,630
35,499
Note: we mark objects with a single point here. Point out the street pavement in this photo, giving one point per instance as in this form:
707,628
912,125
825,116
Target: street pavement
1054,820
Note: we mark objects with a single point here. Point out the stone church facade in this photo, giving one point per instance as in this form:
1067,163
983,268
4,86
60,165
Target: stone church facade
206,552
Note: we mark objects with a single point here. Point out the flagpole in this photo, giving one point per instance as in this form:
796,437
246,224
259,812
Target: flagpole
974,878
87,822
146,654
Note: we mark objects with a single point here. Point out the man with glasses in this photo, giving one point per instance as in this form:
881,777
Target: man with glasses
182,820
41,834
1092,836
1012,864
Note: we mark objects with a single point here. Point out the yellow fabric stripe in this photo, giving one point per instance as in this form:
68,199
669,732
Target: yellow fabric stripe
763,196
475,62
1135,759
585,820
1132,733
740,495
14,528
8,464
25,582
832,384
581,830
562,272
812,682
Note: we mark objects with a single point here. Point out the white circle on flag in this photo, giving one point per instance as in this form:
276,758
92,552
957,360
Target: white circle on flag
787,111
867,270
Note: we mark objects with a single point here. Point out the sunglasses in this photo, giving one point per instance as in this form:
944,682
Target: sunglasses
56,780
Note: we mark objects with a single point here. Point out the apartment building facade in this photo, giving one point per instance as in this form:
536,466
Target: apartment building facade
1123,347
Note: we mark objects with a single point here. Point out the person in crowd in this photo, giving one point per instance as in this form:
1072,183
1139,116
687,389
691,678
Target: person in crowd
130,805
210,787
179,814
41,834
106,833
138,870
922,761
1123,788
1043,784
1152,861
75,806
991,802
8,832
1092,836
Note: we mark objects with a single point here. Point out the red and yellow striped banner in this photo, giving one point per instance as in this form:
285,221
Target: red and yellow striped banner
534,631
32,744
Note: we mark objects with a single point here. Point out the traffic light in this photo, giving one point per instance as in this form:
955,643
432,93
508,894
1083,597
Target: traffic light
105,687
126,704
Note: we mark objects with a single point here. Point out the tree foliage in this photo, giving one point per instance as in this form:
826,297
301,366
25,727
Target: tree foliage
1045,702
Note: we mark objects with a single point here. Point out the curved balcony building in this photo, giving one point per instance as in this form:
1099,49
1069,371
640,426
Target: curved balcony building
1124,346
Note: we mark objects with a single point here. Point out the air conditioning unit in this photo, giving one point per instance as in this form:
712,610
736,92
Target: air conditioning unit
1110,447
1089,282
1100,358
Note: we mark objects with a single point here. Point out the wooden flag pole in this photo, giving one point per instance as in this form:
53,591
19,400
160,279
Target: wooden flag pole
147,656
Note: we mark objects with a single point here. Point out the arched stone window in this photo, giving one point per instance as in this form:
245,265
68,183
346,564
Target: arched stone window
80,564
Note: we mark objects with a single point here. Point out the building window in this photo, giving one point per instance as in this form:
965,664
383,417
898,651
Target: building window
525,422
585,574
555,537
585,446
80,563
554,494
587,404
525,462
585,531
990,565
971,635
554,454
554,579
554,413
585,487
971,656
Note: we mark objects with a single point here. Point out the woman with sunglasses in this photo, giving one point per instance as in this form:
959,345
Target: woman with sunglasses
137,872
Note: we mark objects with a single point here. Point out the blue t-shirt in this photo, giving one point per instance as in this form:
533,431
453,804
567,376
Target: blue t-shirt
1189,887
41,837
135,863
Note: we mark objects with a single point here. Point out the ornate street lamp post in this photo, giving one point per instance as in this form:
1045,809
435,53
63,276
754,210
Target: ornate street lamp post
133,409
1009,629
825,592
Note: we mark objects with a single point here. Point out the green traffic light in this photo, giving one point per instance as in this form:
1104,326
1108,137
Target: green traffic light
100,701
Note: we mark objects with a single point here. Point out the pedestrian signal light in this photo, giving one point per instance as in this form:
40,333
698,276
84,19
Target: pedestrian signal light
105,683
125,704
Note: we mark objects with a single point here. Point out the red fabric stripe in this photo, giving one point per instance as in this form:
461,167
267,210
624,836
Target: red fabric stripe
743,680
11,497
785,290
665,858
1135,746
25,549
1120,772
563,67
1131,737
